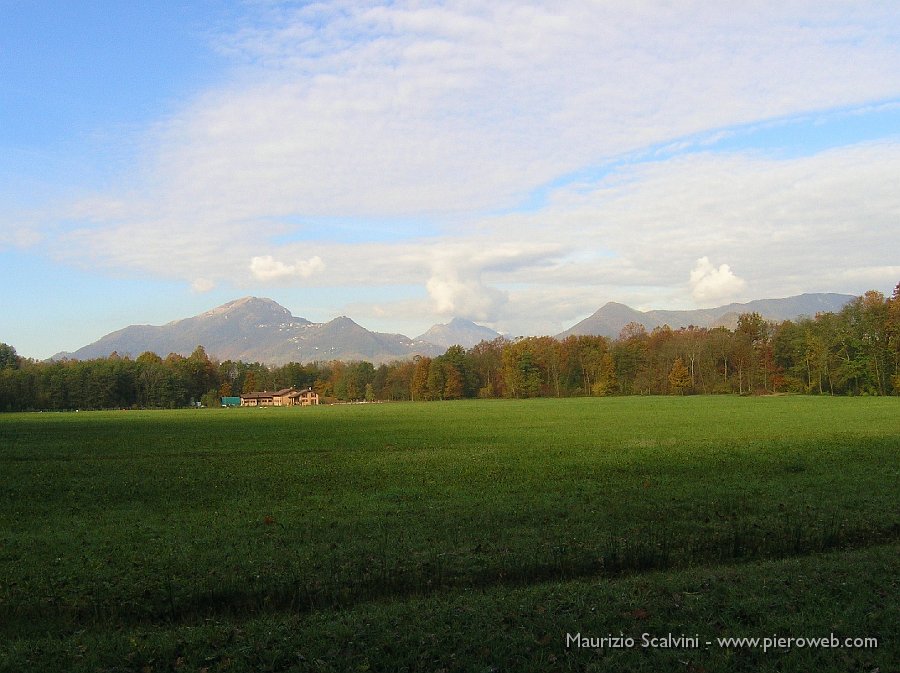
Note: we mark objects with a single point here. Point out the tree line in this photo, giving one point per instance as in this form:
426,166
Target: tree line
855,351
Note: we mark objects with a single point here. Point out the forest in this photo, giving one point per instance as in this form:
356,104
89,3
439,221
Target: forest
852,352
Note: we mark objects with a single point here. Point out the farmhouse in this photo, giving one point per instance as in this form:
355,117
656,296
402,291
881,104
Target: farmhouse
286,397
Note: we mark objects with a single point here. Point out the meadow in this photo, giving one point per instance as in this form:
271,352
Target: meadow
469,535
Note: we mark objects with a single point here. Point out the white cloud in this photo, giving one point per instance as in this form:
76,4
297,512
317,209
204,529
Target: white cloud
456,281
412,108
268,268
445,112
709,283
454,295
21,237
202,285
827,222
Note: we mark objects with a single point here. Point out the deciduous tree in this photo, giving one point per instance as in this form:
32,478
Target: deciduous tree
679,377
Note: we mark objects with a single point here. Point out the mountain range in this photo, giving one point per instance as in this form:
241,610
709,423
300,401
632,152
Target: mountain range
609,320
253,329
258,330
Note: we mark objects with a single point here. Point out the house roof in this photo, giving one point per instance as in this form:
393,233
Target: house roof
289,392
256,396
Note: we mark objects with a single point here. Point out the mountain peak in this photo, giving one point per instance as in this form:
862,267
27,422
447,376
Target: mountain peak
616,306
247,304
343,321
458,332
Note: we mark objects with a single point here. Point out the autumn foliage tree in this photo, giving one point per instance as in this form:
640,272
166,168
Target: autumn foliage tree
679,377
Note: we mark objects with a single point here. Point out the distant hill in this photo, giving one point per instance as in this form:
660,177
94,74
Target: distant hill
458,332
609,320
258,330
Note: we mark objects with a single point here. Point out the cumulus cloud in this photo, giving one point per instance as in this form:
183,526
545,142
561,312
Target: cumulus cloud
454,295
710,283
456,282
269,268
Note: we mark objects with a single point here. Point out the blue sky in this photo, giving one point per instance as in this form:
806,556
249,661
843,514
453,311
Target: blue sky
518,164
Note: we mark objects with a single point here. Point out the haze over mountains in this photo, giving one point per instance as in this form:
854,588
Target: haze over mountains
260,330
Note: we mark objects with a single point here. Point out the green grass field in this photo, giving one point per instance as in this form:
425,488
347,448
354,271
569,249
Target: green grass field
470,536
